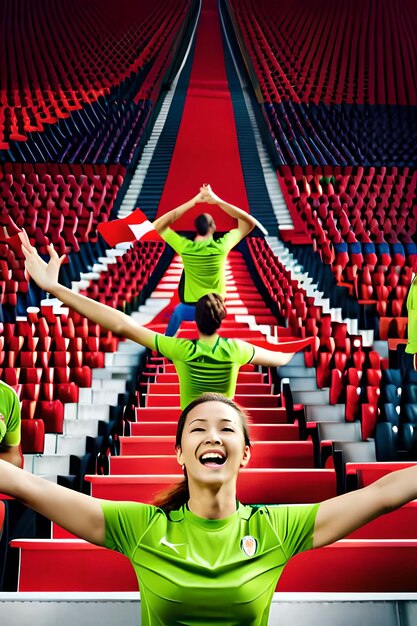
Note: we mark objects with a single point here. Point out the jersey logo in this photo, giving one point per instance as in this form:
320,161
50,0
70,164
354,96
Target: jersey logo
2,418
249,545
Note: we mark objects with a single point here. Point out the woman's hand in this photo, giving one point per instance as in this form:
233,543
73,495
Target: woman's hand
208,195
199,198
44,274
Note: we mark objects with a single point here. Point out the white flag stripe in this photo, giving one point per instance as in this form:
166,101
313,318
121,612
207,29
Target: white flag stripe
139,230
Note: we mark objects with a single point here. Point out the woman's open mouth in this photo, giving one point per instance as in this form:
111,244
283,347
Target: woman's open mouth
213,459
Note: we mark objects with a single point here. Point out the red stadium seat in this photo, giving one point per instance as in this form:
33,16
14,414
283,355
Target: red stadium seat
258,432
369,566
264,486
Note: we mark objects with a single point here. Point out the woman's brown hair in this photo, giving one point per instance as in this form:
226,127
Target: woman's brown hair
177,495
210,311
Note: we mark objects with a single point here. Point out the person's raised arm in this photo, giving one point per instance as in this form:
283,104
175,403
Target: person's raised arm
245,222
76,512
271,354
340,516
46,276
172,216
270,358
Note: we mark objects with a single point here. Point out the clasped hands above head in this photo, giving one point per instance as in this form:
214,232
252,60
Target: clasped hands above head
207,195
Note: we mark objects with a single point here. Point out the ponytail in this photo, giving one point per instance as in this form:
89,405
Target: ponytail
210,311
174,497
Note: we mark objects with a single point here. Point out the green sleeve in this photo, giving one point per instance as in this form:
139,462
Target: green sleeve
125,523
230,239
294,526
12,436
242,352
176,241
173,348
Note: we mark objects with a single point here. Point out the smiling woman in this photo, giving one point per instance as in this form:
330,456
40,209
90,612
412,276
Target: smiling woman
212,559
215,425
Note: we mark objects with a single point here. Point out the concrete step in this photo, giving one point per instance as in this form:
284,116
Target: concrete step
70,411
321,396
117,359
340,431
67,445
297,360
50,443
86,427
115,371
303,384
325,413
130,347
47,464
112,384
98,396
296,371
94,411
79,412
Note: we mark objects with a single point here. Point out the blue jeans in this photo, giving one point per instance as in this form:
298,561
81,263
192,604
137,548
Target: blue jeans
182,313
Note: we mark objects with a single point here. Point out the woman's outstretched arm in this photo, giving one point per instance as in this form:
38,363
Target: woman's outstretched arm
274,355
340,516
46,276
76,512
269,358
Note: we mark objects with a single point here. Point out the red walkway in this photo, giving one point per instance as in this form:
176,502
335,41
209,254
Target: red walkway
206,150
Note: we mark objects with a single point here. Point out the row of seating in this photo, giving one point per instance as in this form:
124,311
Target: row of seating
308,53
51,354
55,205
352,373
345,134
87,61
107,131
361,224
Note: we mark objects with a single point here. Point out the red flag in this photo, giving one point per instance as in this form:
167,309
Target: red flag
134,227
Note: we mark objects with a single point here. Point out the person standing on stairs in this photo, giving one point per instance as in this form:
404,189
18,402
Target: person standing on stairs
204,257
209,363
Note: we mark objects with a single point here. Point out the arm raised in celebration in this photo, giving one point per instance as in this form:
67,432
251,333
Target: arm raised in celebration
245,222
46,276
76,512
340,516
163,222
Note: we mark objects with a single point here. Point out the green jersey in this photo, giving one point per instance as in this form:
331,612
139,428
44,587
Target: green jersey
202,367
412,318
203,261
9,416
193,570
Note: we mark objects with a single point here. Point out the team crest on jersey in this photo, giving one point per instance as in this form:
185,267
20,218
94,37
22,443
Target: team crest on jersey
2,418
249,545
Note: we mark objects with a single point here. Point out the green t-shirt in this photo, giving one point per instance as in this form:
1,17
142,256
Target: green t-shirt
193,570
203,262
202,368
411,346
9,416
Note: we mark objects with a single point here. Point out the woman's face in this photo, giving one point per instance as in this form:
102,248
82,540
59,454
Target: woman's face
213,445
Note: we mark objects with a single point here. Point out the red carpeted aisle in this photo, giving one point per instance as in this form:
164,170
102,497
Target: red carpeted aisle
206,150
